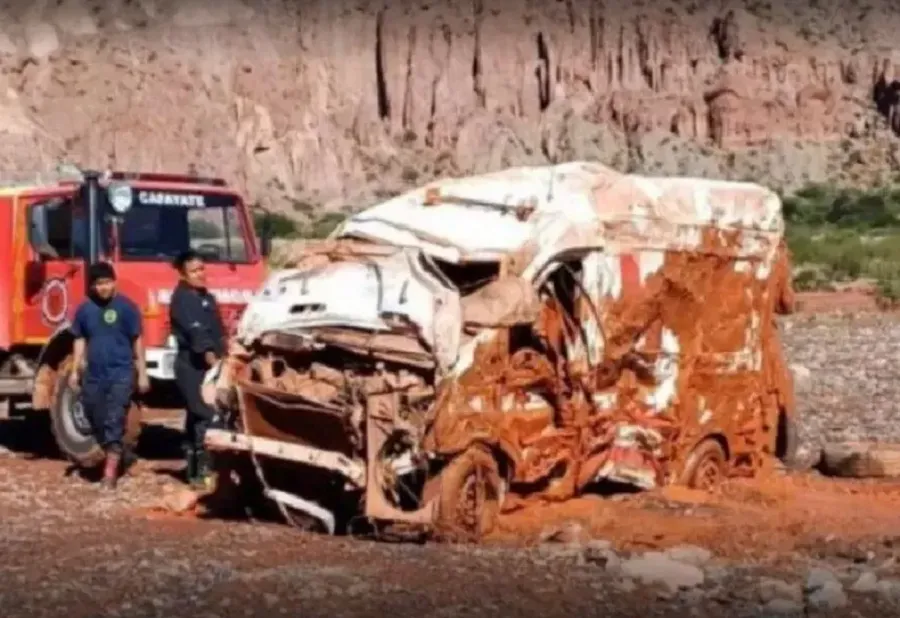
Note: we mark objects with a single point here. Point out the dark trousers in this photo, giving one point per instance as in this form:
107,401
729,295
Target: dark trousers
106,403
198,415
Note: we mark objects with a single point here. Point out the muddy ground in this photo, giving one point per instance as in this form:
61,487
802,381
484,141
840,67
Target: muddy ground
787,545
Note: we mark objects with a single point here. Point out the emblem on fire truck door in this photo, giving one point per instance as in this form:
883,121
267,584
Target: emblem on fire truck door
54,302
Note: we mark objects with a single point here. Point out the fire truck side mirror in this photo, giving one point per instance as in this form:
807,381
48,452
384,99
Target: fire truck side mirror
265,245
265,237
37,228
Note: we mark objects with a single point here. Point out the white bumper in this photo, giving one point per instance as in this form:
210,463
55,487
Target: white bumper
161,363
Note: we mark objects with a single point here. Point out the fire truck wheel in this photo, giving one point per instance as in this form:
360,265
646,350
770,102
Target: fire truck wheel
70,425
470,496
706,466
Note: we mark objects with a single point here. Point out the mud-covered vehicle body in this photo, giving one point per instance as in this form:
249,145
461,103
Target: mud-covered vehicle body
521,335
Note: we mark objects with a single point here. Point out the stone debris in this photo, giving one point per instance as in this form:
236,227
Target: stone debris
657,568
824,590
179,501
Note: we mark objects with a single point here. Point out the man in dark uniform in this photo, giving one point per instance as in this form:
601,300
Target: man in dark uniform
108,349
197,326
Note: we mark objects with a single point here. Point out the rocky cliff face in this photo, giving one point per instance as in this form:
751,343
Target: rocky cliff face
327,103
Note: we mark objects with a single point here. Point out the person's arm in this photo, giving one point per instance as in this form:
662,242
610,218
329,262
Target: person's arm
135,332
188,314
220,333
137,337
78,355
78,347
140,359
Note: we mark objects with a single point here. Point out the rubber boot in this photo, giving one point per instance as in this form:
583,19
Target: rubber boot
203,478
190,470
111,470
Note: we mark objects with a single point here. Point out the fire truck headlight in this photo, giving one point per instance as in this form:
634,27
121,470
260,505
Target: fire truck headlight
120,197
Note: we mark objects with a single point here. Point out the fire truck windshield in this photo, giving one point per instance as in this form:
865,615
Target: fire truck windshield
162,230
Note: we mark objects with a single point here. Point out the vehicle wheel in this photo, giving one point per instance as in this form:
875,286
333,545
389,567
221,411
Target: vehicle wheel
706,467
72,429
70,424
787,441
470,496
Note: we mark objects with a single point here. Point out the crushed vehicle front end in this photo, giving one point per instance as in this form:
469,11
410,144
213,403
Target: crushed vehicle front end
334,369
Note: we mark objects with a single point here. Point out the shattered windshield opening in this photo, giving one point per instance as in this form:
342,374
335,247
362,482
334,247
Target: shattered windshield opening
468,277
161,232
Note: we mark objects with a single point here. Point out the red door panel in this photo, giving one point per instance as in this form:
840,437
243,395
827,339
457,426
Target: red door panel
54,283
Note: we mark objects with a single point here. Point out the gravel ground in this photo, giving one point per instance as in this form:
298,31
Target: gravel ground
68,549
853,387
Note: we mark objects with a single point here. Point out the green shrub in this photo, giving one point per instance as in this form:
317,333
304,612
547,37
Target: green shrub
810,280
323,226
279,225
841,234
284,227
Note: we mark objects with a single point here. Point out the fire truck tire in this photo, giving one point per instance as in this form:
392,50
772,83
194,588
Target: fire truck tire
706,466
861,460
470,496
71,427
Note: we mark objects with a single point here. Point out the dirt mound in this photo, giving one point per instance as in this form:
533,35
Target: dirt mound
747,519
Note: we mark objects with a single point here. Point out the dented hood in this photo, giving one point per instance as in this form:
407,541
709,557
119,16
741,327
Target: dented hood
374,293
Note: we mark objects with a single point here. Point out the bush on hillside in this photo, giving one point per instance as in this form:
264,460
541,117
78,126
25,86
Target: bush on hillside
820,206
840,234
281,226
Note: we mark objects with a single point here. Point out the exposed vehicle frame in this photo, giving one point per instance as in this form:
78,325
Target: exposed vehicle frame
486,341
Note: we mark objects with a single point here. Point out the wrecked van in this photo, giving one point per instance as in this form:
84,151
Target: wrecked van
483,342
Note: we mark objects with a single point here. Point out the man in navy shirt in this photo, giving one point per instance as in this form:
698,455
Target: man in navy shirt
108,349
198,329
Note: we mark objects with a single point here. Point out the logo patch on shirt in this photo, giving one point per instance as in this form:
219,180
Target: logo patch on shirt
109,316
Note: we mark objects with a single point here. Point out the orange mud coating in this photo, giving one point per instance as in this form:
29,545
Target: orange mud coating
756,518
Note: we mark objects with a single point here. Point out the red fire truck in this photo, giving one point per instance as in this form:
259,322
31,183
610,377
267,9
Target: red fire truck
50,234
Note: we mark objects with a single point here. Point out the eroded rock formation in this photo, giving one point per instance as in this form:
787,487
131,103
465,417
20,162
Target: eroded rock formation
327,102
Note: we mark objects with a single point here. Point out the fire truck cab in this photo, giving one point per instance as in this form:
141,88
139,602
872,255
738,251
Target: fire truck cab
49,236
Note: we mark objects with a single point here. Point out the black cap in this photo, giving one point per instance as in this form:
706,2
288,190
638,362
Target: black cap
101,270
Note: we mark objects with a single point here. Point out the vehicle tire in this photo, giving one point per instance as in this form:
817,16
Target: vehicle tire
72,429
706,466
861,460
787,441
471,493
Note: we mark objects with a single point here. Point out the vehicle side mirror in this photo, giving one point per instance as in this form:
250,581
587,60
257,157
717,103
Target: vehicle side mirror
35,277
38,236
265,238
